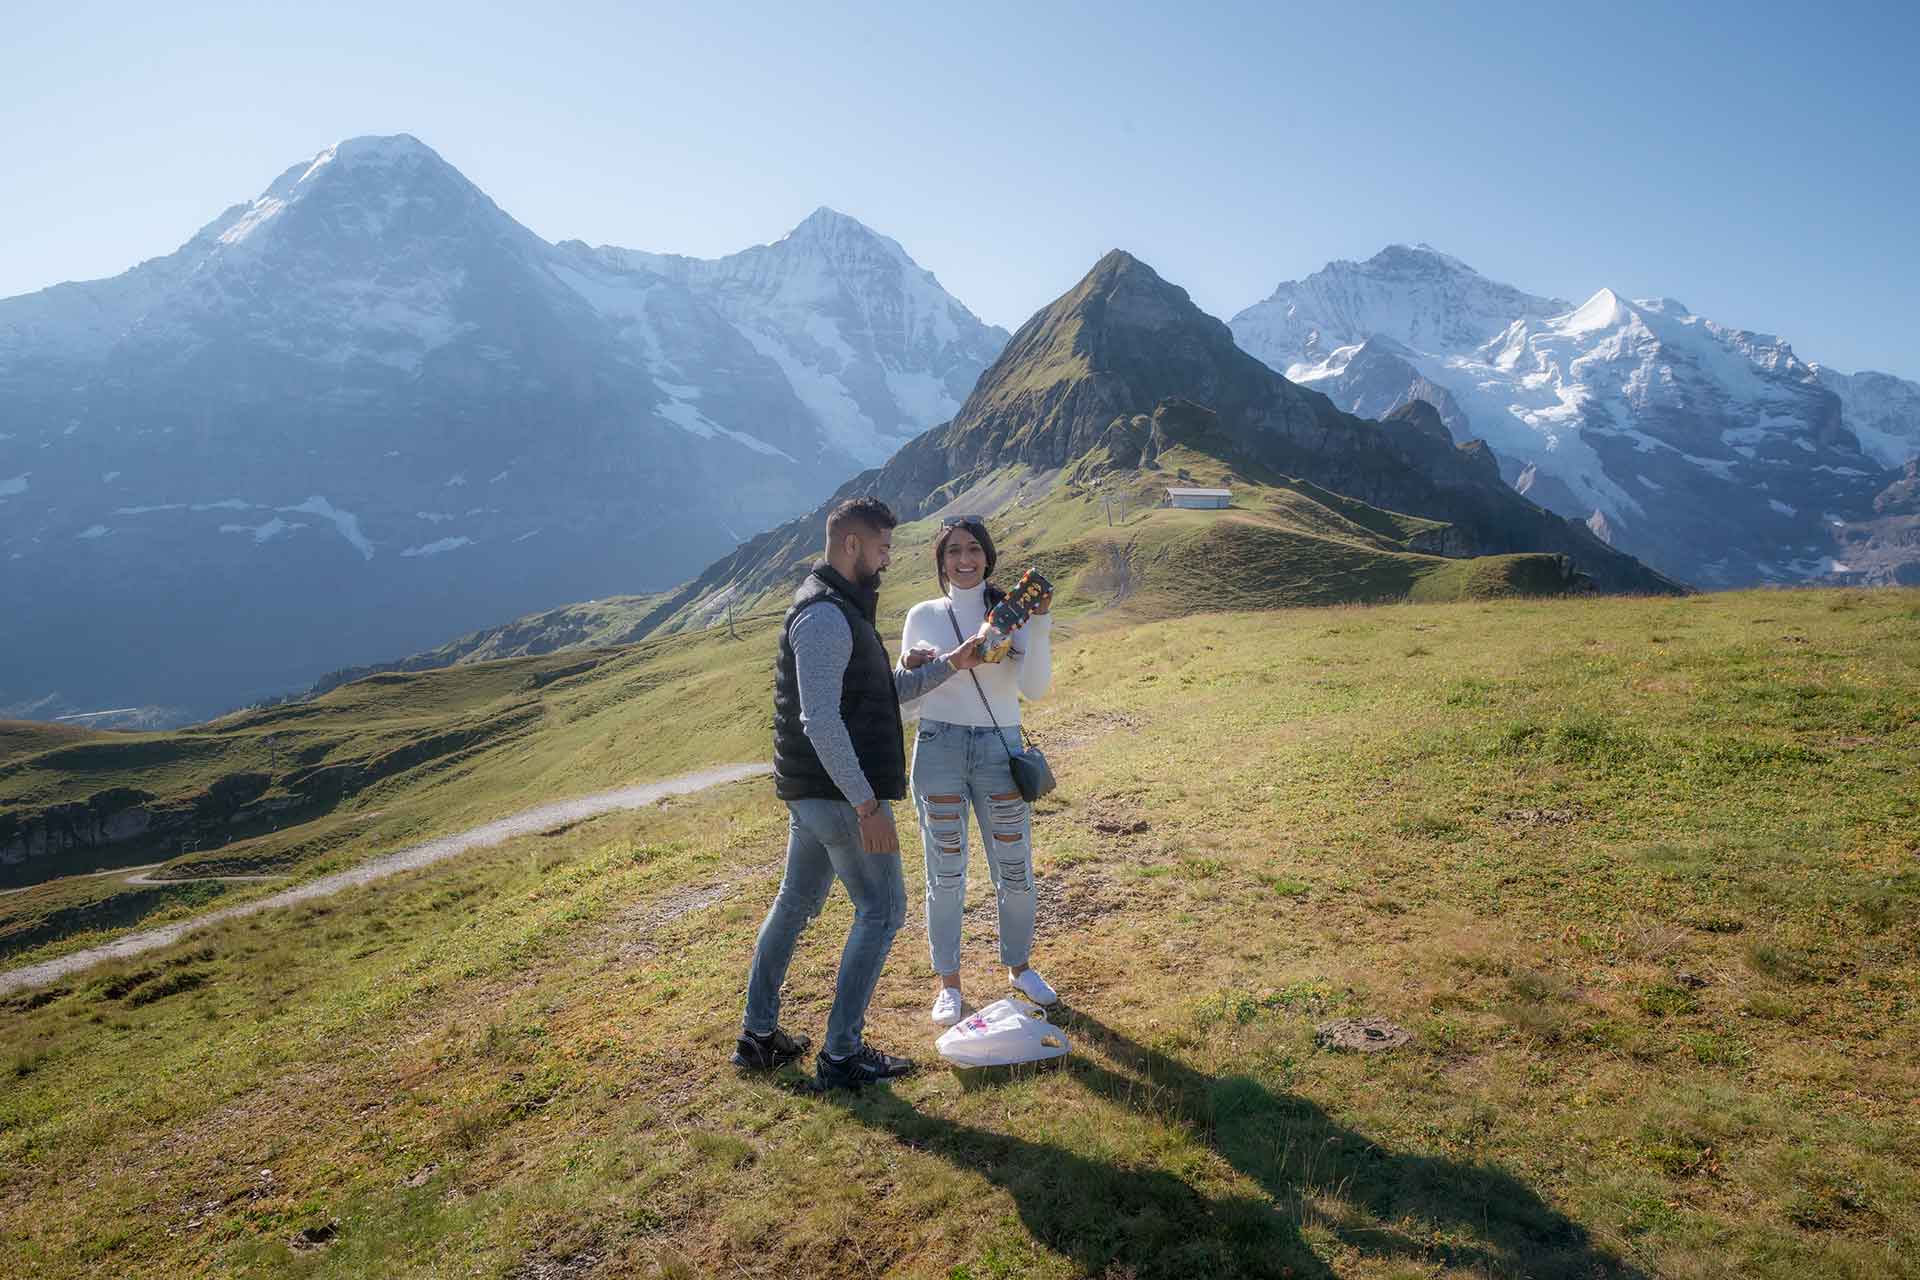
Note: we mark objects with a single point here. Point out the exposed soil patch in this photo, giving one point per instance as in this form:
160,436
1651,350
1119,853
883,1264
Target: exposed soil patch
1078,731
1361,1035
641,923
1065,902
37,999
1540,817
313,1237
544,1266
644,921
1113,818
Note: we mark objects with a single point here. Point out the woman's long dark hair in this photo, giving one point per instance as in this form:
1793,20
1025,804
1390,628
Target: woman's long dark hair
994,594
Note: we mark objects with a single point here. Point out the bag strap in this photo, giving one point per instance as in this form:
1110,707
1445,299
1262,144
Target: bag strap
977,688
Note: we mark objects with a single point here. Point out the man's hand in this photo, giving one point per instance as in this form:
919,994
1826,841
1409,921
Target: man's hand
967,655
918,656
877,832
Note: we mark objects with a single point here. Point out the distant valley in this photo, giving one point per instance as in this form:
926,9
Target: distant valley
368,411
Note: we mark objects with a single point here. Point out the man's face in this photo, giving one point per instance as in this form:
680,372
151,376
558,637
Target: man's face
874,552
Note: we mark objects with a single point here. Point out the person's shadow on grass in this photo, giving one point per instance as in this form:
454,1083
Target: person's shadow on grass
1311,1172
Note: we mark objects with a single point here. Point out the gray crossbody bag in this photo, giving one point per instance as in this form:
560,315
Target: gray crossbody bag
1031,772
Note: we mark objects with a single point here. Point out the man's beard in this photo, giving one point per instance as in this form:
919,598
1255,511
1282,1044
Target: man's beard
871,581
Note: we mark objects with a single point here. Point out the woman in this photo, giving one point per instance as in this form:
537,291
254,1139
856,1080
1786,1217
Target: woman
959,759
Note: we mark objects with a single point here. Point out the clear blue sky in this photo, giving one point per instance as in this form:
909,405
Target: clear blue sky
1759,163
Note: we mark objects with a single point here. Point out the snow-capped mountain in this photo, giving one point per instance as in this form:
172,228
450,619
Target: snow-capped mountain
1713,453
1882,410
1415,296
367,409
870,342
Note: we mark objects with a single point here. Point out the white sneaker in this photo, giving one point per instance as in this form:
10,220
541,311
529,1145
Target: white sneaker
1035,988
946,1006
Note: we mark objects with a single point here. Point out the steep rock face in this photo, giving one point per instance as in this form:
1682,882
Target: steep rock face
870,342
1374,378
1712,453
1125,358
357,413
1880,409
1884,549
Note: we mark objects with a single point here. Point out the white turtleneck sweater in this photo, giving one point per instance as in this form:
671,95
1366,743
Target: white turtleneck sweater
1026,671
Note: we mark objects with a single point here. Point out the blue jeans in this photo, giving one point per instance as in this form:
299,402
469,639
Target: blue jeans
823,841
956,766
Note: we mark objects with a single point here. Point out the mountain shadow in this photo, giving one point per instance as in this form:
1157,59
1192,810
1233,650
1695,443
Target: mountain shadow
1151,1223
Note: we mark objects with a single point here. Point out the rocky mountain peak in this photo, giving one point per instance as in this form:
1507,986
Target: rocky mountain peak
826,225
1421,417
1119,342
366,189
1415,295
1411,259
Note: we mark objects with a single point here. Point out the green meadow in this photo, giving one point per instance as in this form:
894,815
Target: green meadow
1642,877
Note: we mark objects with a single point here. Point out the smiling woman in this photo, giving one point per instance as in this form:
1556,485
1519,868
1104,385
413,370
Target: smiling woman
961,760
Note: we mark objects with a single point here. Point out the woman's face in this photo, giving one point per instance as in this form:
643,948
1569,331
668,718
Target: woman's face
965,560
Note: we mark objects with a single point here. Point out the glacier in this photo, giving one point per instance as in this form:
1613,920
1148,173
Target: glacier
1705,449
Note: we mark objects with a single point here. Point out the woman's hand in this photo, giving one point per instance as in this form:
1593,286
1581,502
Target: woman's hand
1042,605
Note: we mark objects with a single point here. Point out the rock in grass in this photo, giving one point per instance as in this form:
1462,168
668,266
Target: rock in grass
314,1237
1361,1035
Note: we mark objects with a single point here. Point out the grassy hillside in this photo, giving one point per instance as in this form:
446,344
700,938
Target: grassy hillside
373,765
594,624
278,789
1640,875
27,737
1283,542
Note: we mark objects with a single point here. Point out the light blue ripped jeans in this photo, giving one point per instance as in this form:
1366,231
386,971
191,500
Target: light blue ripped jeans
957,766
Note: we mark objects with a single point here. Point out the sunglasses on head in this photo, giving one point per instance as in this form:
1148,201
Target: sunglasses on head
951,521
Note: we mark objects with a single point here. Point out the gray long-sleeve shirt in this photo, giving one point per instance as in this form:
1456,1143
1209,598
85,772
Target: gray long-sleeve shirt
822,647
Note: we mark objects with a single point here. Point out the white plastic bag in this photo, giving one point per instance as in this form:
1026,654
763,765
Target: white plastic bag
1002,1034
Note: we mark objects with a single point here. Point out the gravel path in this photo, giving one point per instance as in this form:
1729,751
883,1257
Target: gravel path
543,818
143,878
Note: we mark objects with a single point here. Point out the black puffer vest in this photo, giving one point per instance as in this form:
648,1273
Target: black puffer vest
869,701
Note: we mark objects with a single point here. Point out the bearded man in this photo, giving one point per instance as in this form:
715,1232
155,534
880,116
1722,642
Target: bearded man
839,760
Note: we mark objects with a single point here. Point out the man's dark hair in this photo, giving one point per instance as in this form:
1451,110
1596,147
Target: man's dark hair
867,514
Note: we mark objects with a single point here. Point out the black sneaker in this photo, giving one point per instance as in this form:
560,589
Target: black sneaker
863,1068
766,1053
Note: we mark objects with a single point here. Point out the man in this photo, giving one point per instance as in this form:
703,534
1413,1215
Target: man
839,758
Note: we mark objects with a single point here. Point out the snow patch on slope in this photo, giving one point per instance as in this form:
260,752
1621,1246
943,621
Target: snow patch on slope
264,532
345,521
437,547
